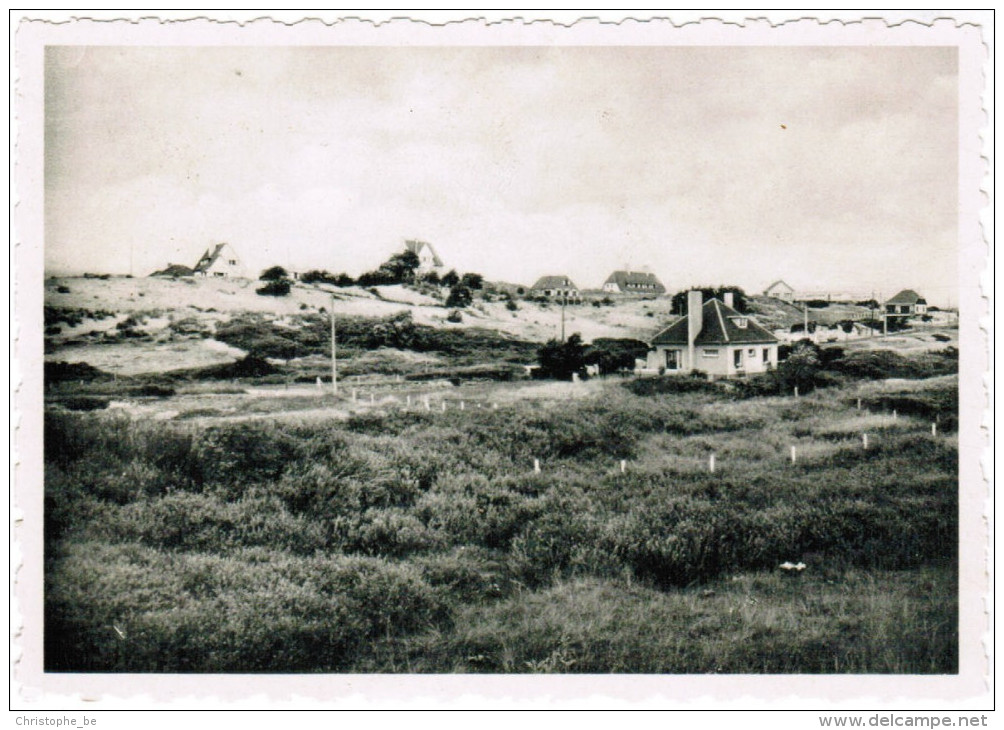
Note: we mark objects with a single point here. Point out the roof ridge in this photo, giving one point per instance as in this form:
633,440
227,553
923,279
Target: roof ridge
721,319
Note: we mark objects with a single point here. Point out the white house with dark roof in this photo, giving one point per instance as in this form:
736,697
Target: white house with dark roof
556,287
428,259
633,282
713,338
905,304
780,290
221,262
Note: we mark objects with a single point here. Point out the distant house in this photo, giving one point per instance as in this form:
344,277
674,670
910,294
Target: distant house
221,261
713,338
780,290
428,259
905,304
556,287
633,282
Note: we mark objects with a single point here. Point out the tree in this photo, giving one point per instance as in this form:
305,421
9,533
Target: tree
275,273
401,267
473,281
460,297
451,279
431,277
739,302
800,367
561,359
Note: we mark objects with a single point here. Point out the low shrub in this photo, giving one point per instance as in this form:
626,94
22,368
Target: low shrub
279,288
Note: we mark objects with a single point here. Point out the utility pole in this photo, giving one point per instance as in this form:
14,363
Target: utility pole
564,298
334,361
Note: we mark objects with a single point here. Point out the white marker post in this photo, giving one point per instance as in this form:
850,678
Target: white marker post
794,455
934,429
372,398
354,394
623,466
859,404
711,463
428,406
536,466
461,405
796,391
864,440
894,414
443,404
408,401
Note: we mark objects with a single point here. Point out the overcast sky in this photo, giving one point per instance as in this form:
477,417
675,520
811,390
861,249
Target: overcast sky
831,168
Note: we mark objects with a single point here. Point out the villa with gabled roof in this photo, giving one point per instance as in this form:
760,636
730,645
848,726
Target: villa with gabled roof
221,261
713,338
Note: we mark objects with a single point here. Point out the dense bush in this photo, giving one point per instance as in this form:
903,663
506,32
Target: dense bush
614,354
460,297
278,288
274,273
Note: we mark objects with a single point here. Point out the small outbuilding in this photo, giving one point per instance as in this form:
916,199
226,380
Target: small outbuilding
780,290
905,304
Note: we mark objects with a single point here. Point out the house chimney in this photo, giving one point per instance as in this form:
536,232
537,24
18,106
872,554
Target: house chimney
695,321
728,300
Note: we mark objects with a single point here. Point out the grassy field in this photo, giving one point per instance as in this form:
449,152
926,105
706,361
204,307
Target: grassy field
377,538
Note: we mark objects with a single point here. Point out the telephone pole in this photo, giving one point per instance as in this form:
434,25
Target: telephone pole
334,361
564,298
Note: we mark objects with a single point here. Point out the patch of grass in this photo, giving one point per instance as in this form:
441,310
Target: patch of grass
401,540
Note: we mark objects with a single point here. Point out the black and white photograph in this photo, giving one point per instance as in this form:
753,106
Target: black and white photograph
562,356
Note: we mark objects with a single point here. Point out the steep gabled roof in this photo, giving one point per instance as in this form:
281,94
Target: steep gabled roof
718,328
627,279
416,248
209,258
907,296
554,282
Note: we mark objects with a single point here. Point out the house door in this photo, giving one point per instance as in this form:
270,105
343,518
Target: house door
737,359
672,359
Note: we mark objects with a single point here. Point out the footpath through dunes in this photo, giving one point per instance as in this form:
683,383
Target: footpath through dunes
576,527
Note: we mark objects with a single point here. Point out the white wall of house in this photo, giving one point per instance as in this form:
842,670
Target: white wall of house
717,360
226,265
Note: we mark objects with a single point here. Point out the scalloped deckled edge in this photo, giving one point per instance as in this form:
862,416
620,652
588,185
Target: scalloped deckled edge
110,19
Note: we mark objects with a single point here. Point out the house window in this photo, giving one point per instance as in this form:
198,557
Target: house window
672,359
709,353
233,262
751,353
737,358
905,309
766,354
741,322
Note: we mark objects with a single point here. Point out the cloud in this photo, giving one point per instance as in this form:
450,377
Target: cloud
708,164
